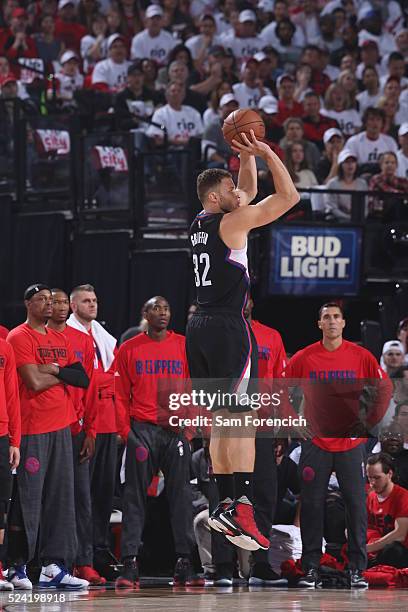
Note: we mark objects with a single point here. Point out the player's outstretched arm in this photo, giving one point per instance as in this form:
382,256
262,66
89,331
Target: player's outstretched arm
247,178
274,206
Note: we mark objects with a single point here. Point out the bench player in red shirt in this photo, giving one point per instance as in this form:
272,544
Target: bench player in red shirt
333,373
10,437
44,494
387,512
83,433
149,367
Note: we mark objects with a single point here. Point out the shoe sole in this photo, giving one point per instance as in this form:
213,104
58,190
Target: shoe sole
225,582
217,525
22,588
310,586
62,587
243,540
253,581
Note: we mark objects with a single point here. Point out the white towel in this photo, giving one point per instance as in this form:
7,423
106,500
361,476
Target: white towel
103,339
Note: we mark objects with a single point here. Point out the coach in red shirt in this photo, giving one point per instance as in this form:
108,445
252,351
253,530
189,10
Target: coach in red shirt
149,367
333,374
46,366
387,512
10,437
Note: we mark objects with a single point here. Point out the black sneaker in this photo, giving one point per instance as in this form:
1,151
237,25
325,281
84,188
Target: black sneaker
129,578
263,575
357,580
184,574
311,580
107,565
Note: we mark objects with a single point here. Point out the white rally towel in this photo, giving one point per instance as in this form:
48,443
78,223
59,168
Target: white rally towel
103,339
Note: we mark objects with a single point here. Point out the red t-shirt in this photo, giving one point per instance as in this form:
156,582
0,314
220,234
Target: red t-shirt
82,346
146,372
381,515
271,352
70,32
332,383
284,112
52,409
10,418
3,332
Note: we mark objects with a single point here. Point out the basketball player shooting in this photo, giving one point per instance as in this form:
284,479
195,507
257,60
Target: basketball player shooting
219,341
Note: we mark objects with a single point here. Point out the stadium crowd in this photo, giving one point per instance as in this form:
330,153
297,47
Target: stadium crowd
328,77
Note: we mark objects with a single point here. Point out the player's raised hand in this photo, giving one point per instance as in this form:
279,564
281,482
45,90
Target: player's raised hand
251,146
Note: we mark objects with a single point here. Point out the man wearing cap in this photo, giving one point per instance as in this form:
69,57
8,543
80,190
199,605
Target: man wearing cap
245,42
393,356
314,123
14,41
46,367
251,89
110,75
67,27
69,79
287,105
402,153
215,149
153,42
136,101
338,206
327,167
370,56
268,109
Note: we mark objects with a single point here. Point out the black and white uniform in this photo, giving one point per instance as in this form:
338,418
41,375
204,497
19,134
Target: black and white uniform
219,342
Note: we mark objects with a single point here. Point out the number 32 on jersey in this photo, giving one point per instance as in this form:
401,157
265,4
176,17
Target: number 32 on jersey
201,264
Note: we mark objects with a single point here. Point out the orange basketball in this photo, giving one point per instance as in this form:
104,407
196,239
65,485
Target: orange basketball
243,120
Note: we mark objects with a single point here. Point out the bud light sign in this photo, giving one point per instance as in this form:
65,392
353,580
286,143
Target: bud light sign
315,261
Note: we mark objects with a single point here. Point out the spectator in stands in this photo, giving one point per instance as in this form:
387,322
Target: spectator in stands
337,106
180,121
94,46
401,414
392,443
287,105
349,41
371,92
387,514
251,89
400,381
303,77
293,128
314,123
274,59
327,167
348,62
69,79
295,160
348,81
212,112
268,109
87,9
116,23
370,58
153,42
369,144
390,106
402,335
386,181
178,72
329,37
393,356
110,75
67,27
244,42
395,68
370,23
130,17
136,102
200,44
265,69
150,72
281,13
289,52
49,47
338,205
308,21
312,55
401,40
176,20
15,40
216,151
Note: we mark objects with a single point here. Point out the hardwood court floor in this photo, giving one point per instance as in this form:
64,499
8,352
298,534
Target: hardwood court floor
239,599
